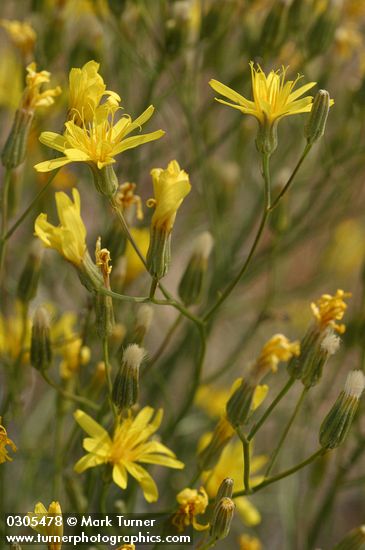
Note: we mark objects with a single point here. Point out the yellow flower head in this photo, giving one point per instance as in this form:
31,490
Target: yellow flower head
127,449
127,547
21,34
231,463
52,529
170,187
4,442
86,90
33,97
329,309
126,198
98,141
192,503
249,543
69,237
277,349
273,97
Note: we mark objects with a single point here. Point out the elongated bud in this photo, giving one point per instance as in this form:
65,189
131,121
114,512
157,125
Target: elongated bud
222,519
316,123
209,455
159,252
15,147
337,423
192,281
126,383
40,348
105,180
104,314
354,540
239,404
144,319
225,490
28,282
316,349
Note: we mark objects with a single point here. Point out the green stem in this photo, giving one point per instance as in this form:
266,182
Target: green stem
246,460
68,395
154,284
4,219
264,217
109,376
282,475
288,184
286,431
270,409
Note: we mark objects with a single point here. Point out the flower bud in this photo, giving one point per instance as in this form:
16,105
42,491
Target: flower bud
159,252
222,518
104,314
210,454
354,540
15,146
192,281
40,348
316,123
239,404
337,423
126,383
225,490
28,282
144,319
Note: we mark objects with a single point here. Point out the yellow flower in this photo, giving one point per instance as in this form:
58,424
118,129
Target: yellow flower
170,187
127,449
97,142
86,89
4,442
213,401
231,463
21,33
192,503
329,309
52,529
249,543
33,97
134,264
69,237
127,547
277,349
273,98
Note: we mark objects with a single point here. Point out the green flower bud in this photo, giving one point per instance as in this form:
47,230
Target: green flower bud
192,281
40,348
225,490
126,383
239,404
159,252
337,423
222,519
104,314
354,540
16,145
316,123
28,282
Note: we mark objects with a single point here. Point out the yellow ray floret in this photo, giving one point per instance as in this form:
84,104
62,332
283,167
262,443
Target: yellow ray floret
127,449
69,237
277,349
170,187
329,309
34,95
192,503
273,97
98,141
52,529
